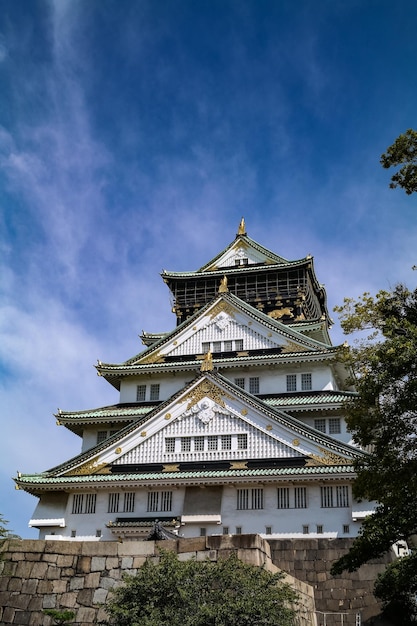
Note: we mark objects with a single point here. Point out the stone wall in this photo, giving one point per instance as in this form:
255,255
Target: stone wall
310,560
78,576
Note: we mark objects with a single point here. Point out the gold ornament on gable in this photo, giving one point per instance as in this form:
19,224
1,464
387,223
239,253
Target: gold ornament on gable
206,389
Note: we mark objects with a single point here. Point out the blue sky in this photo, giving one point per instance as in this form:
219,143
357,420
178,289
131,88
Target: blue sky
134,135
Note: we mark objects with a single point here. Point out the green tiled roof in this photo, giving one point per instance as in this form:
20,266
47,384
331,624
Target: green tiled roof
331,397
316,470
107,412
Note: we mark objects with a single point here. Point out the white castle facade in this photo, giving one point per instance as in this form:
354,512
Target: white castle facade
231,423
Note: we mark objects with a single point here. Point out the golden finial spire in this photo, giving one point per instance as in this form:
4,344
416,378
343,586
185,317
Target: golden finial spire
207,362
242,228
223,288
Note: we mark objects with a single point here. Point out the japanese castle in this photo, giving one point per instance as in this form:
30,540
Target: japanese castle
232,422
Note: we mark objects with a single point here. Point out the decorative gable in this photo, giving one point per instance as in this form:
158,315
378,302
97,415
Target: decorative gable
240,254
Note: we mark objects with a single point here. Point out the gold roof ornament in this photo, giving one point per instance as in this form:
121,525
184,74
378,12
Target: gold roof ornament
207,362
223,288
242,228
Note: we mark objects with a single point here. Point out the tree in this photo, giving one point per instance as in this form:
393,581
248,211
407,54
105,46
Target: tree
383,420
195,593
5,533
403,152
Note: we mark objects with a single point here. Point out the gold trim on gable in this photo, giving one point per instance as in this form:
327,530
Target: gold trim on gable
89,468
203,390
327,458
222,307
152,358
293,347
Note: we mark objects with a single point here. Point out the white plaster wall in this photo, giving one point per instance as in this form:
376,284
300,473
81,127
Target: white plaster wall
169,384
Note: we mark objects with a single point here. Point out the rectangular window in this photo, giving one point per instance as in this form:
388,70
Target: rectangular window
342,496
185,444
326,497
240,382
101,436
320,425
346,529
238,344
205,346
98,533
238,530
129,502
283,498
306,384
170,444
140,393
242,499
90,503
242,441
254,385
203,532
198,444
217,346
305,530
334,426
225,530
113,505
268,530
212,442
154,392
300,497
291,382
257,498
228,347
319,529
166,500
78,503
226,442
153,501
73,533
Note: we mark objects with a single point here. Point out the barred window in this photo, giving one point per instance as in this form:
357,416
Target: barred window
254,385
226,442
153,501
291,382
342,496
228,346
305,529
300,497
113,505
198,444
225,530
346,529
154,392
170,444
78,503
140,393
212,442
217,346
238,530
242,499
326,497
101,436
185,444
319,529
250,499
306,383
334,426
283,498
166,500
90,503
205,346
239,344
242,441
268,530
240,382
320,424
129,502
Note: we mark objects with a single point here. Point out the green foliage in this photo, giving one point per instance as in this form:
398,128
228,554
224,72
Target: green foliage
59,617
194,593
403,152
383,420
5,533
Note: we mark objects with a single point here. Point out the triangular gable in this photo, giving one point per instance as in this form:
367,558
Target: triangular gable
212,407
224,325
241,252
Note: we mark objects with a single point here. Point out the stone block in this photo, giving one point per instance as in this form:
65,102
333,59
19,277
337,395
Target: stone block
24,569
135,548
167,544
9,569
45,586
15,584
127,562
8,615
100,596
83,565
85,597
39,570
107,582
53,573
35,603
22,618
49,558
100,548
85,616
102,615
19,600
207,555
112,562
68,600
67,572
33,556
116,573
49,601
194,544
29,586
252,557
91,581
98,563
4,581
138,561
186,556
59,586
65,560
76,583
